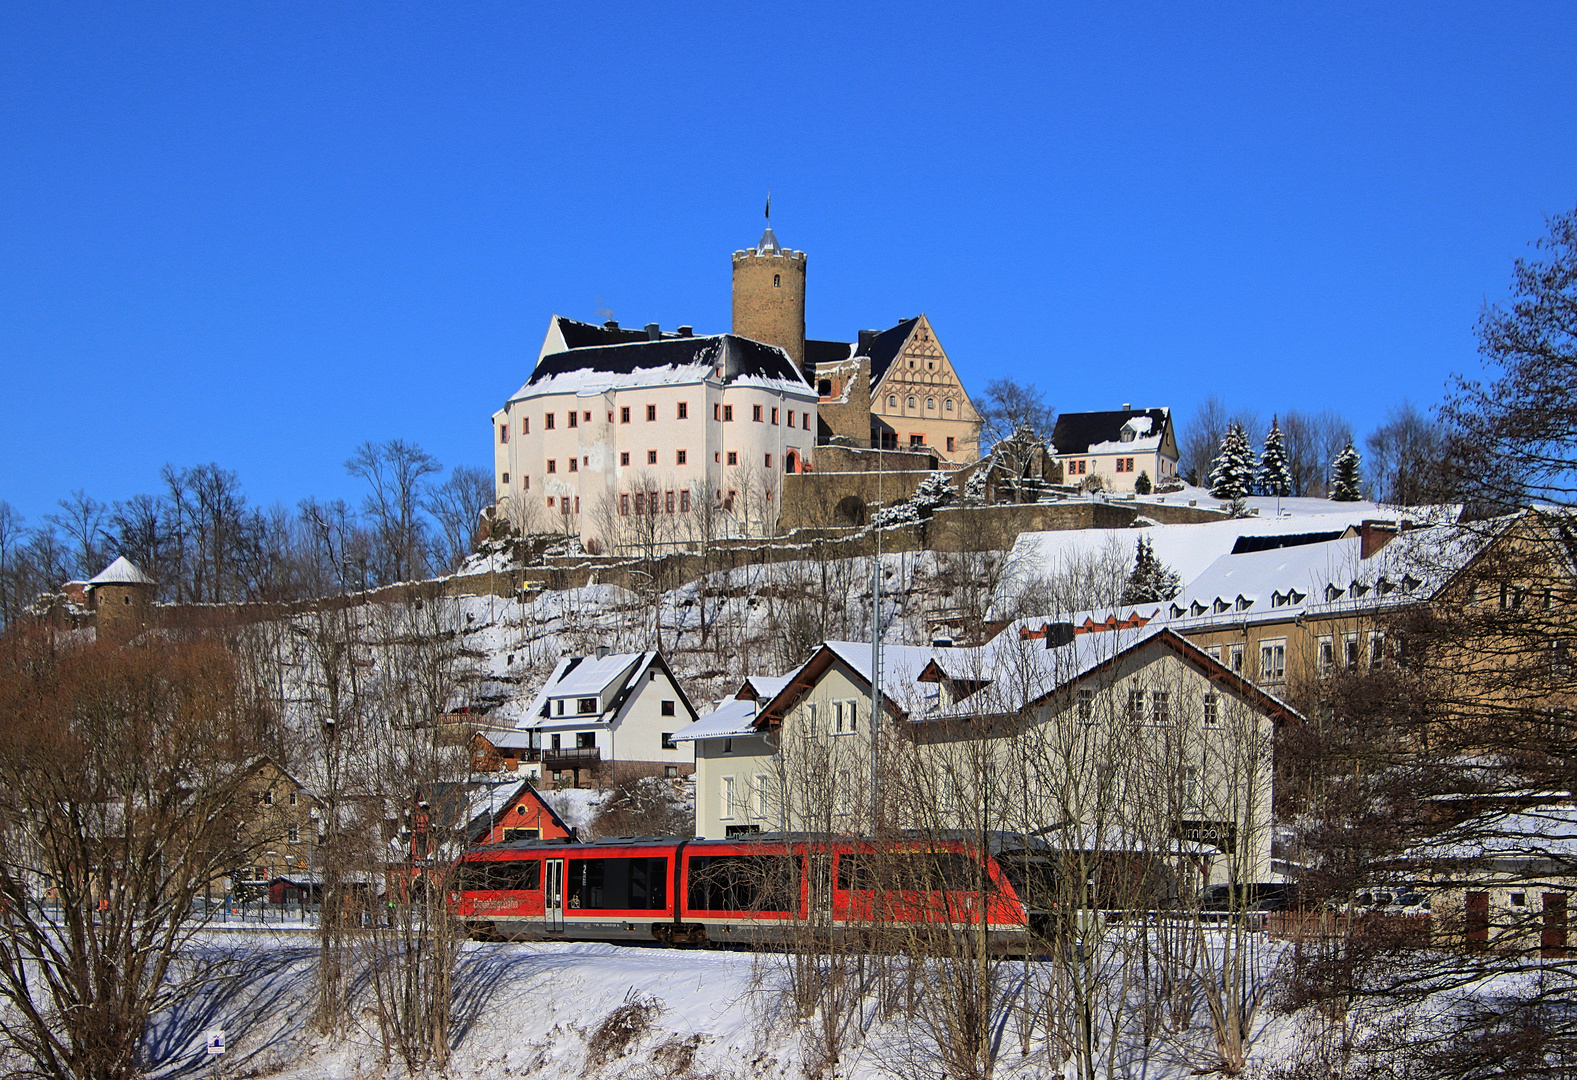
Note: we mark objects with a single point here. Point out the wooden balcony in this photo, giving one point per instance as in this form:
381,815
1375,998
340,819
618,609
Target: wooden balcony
574,758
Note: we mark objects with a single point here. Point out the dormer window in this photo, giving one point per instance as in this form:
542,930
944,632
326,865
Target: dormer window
1296,597
1244,603
1221,605
1277,600
1333,592
586,705
1358,589
1127,434
1409,583
1196,608
1386,586
1177,612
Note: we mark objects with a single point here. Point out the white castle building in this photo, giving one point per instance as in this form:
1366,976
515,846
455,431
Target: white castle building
634,438
659,440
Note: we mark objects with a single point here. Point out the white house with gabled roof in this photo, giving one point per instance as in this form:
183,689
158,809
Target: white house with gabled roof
1117,446
608,718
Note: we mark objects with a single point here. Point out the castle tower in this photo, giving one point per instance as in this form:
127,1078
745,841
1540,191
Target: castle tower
769,295
122,595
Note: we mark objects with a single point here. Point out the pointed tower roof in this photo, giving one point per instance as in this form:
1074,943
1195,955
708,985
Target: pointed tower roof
769,244
121,572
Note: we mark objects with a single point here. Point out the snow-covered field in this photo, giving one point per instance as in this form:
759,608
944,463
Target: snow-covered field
535,1009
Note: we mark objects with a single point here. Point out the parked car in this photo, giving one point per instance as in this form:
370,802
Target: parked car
1384,900
1251,896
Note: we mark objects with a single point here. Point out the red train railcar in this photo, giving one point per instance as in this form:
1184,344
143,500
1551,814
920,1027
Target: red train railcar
739,890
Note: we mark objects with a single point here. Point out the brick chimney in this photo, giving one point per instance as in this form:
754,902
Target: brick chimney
1374,535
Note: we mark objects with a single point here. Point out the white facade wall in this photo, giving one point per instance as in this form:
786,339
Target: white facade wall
1154,462
633,734
599,459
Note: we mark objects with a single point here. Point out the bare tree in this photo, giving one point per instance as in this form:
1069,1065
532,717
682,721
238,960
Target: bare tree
1078,579
1404,457
408,956
120,774
11,533
457,505
140,532
1009,407
395,472
1201,438
1015,426
82,518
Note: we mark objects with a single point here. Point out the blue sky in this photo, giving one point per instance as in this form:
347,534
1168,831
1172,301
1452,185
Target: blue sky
261,234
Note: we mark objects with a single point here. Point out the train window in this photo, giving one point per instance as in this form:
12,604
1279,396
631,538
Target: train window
856,873
1033,877
742,883
618,884
909,871
501,875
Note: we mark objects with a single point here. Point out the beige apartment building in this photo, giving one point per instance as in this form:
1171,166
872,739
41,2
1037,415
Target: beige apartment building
1129,741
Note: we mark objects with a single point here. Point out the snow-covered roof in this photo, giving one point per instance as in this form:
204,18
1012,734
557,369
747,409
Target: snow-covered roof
767,687
668,361
577,677
586,675
614,680
487,801
901,665
1279,584
1274,577
121,572
1187,549
1148,445
508,740
1020,670
732,719
1547,832
1140,430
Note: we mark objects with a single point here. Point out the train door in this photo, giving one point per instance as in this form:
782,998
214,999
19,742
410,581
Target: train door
818,889
553,895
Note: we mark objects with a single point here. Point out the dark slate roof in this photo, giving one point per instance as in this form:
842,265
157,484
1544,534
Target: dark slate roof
883,348
581,335
1076,432
1247,544
738,356
826,352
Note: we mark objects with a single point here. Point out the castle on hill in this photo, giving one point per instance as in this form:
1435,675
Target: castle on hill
628,437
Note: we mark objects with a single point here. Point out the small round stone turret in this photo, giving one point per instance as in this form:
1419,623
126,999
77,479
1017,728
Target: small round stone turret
769,295
121,595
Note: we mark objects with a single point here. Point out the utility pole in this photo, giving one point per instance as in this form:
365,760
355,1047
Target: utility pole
876,658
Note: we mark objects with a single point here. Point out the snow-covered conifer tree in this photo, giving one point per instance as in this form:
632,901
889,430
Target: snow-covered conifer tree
1151,579
1232,473
1346,484
1274,476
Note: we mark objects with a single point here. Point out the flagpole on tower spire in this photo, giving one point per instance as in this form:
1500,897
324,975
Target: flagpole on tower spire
769,206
